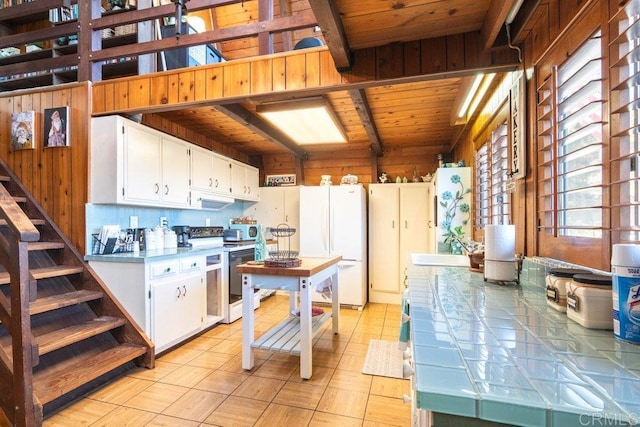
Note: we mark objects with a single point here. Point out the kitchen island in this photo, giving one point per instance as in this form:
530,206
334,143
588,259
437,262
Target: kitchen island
294,335
489,353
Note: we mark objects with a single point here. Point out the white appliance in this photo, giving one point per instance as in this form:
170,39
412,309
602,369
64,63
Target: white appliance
451,186
333,222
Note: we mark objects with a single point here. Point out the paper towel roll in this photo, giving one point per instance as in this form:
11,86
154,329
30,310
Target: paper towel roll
500,242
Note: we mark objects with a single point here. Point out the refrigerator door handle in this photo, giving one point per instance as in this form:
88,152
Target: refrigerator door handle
325,220
332,229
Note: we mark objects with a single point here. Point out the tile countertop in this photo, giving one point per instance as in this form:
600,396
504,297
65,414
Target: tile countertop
156,255
500,353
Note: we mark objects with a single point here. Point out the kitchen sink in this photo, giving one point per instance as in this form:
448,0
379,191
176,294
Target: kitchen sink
447,260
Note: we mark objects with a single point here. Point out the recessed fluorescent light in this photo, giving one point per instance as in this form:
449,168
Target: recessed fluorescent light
467,100
483,89
306,121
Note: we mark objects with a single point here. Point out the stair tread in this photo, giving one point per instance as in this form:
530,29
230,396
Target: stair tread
41,246
75,333
51,385
42,305
45,272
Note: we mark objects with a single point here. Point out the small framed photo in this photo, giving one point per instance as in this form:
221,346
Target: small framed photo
22,130
278,180
56,127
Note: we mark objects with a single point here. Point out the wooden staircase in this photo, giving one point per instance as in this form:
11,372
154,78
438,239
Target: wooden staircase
62,333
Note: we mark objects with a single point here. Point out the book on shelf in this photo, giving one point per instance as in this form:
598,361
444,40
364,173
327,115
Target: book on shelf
64,13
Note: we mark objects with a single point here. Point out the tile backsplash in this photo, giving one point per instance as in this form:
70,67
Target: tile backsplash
148,217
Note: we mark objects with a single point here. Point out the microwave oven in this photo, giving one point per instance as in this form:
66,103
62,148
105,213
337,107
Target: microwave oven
249,231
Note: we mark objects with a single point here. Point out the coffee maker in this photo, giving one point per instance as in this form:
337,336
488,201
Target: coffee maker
182,233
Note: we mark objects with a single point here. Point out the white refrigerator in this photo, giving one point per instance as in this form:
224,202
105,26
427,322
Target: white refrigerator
333,222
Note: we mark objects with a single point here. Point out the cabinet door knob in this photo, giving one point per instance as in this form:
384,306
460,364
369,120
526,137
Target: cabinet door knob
157,188
210,182
178,293
184,291
166,190
217,183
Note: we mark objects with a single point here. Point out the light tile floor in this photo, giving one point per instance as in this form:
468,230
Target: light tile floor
202,383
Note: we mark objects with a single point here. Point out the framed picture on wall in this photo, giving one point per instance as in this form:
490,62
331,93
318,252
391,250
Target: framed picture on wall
22,129
56,127
278,180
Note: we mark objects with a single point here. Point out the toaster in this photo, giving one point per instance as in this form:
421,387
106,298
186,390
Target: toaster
233,235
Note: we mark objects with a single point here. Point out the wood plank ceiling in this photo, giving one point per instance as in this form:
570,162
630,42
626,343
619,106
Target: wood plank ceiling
393,115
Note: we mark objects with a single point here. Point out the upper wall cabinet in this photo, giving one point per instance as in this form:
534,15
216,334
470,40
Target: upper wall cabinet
132,164
245,180
135,165
210,173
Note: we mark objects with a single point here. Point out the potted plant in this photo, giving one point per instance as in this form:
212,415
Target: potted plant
453,205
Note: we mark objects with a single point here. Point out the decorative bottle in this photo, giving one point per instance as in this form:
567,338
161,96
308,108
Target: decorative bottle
260,248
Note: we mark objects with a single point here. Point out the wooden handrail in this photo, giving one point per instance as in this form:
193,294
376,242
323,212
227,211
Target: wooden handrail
14,256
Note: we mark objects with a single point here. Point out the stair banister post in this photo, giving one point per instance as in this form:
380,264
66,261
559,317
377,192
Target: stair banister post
23,360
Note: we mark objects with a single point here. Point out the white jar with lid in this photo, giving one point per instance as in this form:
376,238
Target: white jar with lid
590,301
556,286
170,239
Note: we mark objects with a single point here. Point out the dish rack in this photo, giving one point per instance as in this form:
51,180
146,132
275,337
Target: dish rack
283,257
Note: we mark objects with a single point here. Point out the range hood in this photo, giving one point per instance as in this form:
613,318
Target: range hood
213,202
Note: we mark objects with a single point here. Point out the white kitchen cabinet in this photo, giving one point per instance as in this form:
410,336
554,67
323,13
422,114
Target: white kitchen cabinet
210,172
245,181
178,308
168,299
399,224
278,205
133,164
175,172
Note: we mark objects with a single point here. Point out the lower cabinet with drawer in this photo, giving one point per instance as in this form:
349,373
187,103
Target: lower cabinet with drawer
167,298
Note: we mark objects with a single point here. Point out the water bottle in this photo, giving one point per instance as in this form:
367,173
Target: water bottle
260,247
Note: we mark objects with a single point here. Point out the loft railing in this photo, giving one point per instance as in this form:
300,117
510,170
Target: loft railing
85,49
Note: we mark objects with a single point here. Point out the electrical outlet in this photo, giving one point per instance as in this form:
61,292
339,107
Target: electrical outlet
163,221
133,221
207,222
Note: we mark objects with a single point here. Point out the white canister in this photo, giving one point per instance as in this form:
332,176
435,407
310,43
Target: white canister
159,232
589,301
170,239
625,266
556,286
149,240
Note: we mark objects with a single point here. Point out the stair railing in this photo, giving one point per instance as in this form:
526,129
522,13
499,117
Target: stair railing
17,396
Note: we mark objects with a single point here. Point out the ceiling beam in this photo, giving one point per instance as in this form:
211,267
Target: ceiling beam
330,22
262,128
493,22
359,98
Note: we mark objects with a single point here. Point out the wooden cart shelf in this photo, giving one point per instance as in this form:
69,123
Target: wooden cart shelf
285,336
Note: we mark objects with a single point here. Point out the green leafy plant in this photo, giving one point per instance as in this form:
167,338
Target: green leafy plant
453,205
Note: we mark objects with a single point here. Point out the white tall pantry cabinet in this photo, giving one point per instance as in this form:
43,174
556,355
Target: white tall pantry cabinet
278,205
399,223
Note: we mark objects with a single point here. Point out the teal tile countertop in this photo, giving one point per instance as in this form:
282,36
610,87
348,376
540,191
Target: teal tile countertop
156,255
500,353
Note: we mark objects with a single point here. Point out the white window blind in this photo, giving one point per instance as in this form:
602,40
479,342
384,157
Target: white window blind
570,146
625,123
493,204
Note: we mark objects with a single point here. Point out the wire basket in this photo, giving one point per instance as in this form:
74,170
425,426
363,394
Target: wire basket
283,257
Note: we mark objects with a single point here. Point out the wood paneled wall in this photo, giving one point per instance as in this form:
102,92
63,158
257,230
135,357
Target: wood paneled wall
57,177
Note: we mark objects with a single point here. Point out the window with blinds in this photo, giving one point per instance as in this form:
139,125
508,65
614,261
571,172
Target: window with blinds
570,145
493,203
625,123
